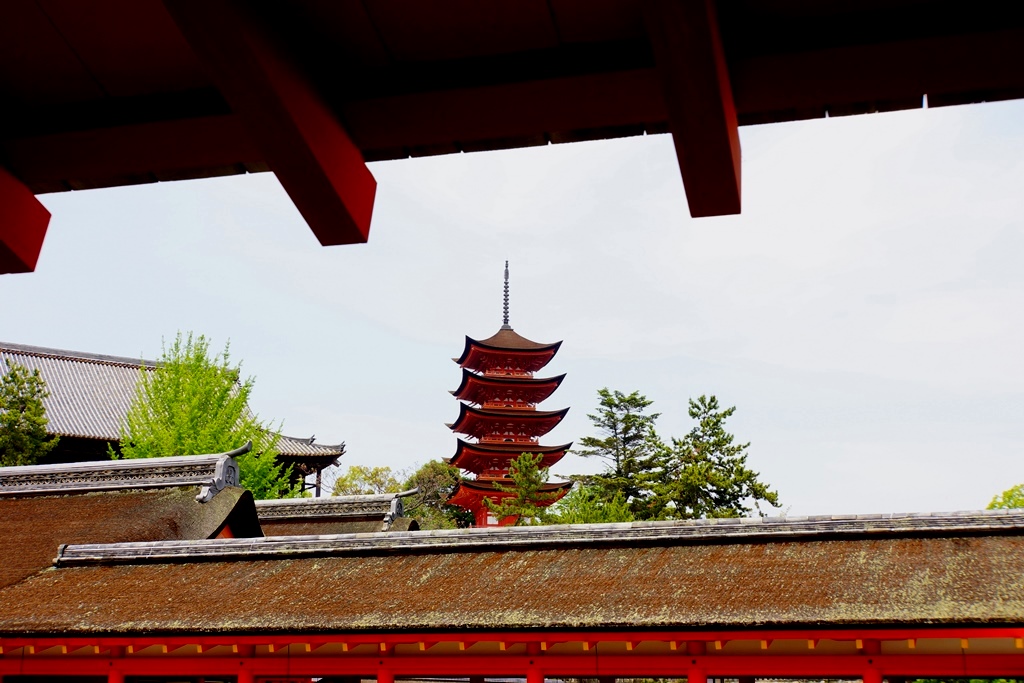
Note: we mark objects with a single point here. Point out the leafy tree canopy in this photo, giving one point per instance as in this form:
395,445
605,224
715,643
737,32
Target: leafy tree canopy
1010,498
195,403
527,502
23,438
436,481
365,481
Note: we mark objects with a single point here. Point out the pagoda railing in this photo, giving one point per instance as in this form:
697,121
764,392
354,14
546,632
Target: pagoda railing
520,405
506,372
508,438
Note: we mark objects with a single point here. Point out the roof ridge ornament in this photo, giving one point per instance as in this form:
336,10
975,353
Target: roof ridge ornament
504,321
212,473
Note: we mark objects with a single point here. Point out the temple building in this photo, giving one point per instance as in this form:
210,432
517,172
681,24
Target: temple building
498,414
166,571
89,397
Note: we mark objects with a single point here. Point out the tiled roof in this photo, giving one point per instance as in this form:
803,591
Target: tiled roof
626,534
90,394
212,472
876,571
331,515
507,338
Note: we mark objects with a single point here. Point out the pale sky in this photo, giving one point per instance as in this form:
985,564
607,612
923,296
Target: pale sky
863,313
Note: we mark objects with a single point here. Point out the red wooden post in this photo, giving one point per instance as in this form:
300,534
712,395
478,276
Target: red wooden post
385,676
872,675
23,222
534,675
691,62
696,675
115,676
244,676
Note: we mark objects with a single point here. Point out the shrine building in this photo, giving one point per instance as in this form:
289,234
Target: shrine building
165,571
498,399
90,394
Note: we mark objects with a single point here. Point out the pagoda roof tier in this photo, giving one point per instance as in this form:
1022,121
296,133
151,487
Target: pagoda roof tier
480,422
506,345
477,388
478,457
470,492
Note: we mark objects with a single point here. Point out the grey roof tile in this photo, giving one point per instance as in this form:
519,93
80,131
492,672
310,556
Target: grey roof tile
90,394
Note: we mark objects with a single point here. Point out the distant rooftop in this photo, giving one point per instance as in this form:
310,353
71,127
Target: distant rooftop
90,394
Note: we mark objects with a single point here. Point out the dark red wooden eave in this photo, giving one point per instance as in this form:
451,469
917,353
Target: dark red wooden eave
478,421
467,453
474,384
693,654
280,120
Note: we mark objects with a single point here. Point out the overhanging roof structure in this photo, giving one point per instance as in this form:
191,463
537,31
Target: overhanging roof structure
477,457
850,596
153,582
112,92
479,422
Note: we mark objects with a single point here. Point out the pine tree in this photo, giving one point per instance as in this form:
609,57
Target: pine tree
23,438
588,505
194,403
704,474
627,442
527,503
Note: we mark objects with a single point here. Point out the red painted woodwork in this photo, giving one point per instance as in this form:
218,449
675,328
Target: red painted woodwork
494,387
498,372
23,222
183,148
621,636
500,425
432,120
869,667
477,457
701,114
115,92
302,139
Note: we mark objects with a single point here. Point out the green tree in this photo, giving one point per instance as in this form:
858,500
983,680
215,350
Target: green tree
1010,498
23,439
366,481
436,481
528,501
194,403
704,474
627,441
588,505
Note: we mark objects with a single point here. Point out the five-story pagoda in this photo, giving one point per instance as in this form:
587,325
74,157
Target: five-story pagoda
498,413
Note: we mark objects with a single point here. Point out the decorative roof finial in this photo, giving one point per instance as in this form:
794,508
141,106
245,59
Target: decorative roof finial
505,325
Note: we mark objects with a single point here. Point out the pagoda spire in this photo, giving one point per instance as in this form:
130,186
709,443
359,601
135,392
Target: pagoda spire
504,321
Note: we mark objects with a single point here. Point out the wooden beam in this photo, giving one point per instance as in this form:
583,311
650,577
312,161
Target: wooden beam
165,150
765,665
701,114
302,140
416,123
23,223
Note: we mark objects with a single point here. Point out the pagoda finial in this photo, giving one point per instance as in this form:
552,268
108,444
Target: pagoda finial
505,325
